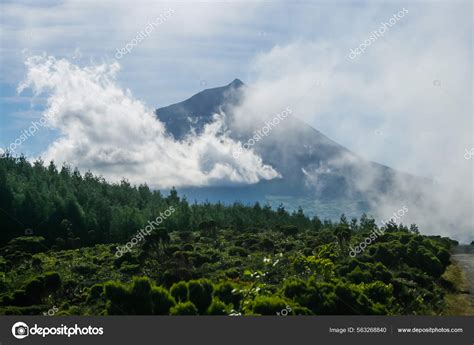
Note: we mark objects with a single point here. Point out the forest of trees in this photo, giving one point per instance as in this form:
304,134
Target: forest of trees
60,230
70,210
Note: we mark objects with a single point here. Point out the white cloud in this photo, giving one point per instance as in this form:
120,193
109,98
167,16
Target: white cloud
105,129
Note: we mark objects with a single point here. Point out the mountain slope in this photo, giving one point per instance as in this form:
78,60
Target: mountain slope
316,171
197,111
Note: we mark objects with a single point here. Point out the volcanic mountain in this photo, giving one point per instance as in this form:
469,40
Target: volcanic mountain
317,173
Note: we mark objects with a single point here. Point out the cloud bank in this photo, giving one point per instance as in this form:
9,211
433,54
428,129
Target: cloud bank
103,128
406,102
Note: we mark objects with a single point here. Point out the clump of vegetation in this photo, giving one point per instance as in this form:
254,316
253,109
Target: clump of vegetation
186,308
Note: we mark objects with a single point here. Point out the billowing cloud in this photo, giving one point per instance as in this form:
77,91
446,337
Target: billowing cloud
103,128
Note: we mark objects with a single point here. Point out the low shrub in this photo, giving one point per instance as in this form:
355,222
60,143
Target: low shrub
186,308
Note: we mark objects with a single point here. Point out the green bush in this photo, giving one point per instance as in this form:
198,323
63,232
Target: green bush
351,300
162,301
228,293
444,257
141,296
359,276
186,308
265,305
425,260
180,291
293,288
318,296
118,298
200,294
382,273
379,292
217,307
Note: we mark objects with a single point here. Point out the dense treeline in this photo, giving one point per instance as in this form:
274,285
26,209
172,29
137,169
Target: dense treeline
70,210
60,231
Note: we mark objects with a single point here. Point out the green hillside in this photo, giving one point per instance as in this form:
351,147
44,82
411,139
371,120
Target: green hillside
74,244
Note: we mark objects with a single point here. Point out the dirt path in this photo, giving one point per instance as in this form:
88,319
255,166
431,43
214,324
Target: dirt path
464,257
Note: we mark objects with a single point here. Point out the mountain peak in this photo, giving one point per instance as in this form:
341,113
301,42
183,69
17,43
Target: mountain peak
198,110
236,83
